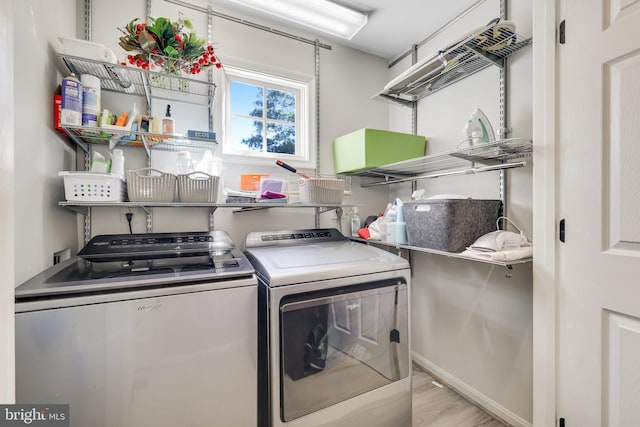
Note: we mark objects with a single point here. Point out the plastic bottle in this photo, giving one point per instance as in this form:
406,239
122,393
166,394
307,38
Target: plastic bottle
184,164
207,164
168,123
90,100
71,102
117,162
355,222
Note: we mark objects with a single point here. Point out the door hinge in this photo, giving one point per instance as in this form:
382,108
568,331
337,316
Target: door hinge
561,230
561,422
561,33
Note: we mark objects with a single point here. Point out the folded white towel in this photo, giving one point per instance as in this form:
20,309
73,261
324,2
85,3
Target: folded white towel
508,255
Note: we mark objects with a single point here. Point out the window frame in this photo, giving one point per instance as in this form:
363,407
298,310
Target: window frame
305,143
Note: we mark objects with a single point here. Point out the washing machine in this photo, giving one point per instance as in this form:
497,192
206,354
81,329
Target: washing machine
151,329
333,331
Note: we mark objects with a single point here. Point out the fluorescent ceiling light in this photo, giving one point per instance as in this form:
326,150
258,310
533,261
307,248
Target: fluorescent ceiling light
322,15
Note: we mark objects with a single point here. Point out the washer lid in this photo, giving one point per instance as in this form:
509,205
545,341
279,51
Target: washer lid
286,265
127,261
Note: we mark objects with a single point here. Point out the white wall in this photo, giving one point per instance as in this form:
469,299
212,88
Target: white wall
472,325
7,371
41,228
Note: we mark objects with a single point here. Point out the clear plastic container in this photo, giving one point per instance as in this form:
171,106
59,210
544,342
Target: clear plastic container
184,164
321,190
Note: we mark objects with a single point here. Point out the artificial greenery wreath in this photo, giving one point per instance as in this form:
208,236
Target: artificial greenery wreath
167,44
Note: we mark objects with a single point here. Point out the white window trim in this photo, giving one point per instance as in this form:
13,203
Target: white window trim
306,158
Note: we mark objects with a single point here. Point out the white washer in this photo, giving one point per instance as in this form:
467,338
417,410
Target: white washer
333,337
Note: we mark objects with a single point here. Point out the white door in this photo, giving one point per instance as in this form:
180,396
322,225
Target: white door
599,196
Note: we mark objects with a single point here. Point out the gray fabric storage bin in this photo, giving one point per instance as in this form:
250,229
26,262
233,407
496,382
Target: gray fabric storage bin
449,224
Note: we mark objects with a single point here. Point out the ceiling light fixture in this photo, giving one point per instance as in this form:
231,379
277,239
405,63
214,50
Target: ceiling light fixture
322,15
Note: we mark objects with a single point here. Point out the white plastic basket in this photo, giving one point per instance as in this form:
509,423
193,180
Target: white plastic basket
321,190
197,187
151,185
93,187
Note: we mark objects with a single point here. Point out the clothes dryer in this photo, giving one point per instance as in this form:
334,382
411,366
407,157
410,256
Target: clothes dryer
333,331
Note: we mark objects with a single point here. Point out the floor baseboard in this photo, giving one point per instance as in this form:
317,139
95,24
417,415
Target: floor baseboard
473,395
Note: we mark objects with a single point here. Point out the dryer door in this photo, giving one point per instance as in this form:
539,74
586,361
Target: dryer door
339,343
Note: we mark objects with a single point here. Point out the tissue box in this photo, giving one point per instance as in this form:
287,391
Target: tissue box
274,184
251,182
370,148
449,225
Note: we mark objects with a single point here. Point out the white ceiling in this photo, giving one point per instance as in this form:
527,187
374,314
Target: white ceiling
394,25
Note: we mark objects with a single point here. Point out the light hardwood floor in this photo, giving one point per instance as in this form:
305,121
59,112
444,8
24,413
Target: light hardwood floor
434,406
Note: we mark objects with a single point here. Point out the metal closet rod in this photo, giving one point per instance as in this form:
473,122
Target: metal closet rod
435,33
468,171
247,23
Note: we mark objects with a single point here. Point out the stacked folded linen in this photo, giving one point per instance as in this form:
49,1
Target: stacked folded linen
506,255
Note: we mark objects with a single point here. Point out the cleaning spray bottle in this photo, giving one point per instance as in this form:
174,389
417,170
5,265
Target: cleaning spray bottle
478,129
168,123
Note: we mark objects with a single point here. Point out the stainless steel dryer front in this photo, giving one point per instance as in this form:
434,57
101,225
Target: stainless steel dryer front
333,338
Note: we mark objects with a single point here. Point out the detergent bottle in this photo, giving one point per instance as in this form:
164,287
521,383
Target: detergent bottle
478,129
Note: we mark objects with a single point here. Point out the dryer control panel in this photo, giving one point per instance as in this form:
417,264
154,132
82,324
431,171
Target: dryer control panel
293,237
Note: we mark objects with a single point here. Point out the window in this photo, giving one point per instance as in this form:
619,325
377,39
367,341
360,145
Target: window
266,117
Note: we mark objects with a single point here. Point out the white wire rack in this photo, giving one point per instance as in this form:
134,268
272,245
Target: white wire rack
148,83
468,160
489,45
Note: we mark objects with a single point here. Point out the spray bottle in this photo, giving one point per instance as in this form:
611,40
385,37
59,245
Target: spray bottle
168,123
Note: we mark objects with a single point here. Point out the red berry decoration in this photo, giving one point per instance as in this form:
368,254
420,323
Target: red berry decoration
175,45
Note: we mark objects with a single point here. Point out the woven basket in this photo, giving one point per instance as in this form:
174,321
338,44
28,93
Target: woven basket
197,187
321,190
151,185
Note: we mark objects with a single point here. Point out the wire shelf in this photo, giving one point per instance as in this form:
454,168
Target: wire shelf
136,81
94,135
490,156
487,46
507,264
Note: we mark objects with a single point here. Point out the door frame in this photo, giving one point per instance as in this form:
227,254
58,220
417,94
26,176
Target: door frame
545,131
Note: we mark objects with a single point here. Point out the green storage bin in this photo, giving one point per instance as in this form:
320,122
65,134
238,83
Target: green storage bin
370,148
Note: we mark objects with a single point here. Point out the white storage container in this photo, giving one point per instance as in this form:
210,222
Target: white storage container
321,190
93,187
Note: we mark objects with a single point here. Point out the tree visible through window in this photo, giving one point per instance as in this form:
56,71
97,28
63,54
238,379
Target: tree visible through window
280,122
272,129
266,116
